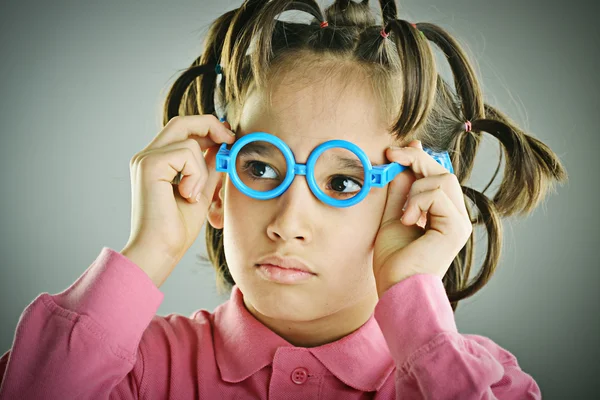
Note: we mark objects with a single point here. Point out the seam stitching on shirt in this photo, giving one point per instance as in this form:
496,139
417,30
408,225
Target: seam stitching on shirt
437,341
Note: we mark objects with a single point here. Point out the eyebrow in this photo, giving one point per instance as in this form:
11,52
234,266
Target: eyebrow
351,164
348,162
257,148
264,150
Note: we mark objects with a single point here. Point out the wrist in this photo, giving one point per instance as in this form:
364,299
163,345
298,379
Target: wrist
157,265
384,284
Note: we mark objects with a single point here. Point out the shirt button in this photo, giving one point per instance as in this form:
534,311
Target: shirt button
299,376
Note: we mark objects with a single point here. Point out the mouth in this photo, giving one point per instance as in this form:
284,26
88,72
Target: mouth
278,274
287,263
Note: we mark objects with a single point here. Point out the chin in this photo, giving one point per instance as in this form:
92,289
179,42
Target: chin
279,301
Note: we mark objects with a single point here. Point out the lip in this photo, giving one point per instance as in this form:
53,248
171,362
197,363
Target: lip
277,274
285,263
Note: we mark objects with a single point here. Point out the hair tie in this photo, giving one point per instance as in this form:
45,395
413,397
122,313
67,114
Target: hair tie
385,35
468,126
324,24
421,32
218,69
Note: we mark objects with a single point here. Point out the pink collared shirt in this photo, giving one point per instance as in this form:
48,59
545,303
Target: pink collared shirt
100,338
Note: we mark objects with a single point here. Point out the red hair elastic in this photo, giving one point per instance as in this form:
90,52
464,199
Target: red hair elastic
383,32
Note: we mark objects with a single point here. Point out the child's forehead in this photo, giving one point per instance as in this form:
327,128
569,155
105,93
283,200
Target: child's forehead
314,131
312,134
305,118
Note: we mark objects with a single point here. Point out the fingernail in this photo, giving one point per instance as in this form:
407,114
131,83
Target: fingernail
404,207
195,191
232,133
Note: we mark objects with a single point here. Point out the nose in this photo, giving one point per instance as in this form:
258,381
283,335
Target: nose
295,210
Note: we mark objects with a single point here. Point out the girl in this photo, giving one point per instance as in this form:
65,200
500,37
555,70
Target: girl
327,301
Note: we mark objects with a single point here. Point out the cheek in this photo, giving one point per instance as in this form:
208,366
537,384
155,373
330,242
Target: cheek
348,250
239,229
372,208
238,214
377,198
358,227
243,219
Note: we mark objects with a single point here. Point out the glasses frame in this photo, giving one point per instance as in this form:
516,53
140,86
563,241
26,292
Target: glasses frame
375,176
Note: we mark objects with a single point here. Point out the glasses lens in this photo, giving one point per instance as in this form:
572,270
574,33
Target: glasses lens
339,173
261,166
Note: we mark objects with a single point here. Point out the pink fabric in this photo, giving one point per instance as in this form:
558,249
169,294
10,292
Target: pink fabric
100,339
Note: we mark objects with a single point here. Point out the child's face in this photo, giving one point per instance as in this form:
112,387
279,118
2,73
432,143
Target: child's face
336,243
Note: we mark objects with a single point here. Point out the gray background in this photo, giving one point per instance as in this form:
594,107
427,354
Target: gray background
82,85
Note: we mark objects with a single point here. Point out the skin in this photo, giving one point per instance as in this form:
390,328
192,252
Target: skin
336,243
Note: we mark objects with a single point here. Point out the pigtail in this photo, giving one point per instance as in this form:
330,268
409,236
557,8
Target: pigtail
236,43
350,13
470,105
193,93
531,167
531,170
418,75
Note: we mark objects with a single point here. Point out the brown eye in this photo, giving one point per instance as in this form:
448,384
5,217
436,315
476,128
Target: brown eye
259,169
344,185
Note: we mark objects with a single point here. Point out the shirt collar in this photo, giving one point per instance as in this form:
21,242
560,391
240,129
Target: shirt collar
243,346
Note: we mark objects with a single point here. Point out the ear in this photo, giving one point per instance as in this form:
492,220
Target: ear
215,210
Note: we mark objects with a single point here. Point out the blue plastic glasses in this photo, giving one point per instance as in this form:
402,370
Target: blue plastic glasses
338,172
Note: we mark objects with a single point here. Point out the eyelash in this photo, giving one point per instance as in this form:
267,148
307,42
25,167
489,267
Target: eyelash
249,164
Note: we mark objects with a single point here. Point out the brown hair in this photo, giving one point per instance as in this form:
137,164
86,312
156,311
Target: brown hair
419,104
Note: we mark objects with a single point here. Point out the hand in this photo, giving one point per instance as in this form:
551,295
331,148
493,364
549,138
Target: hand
166,220
435,204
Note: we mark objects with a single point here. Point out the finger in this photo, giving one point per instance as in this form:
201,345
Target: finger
206,129
186,158
397,193
440,210
447,182
422,221
398,190
421,163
